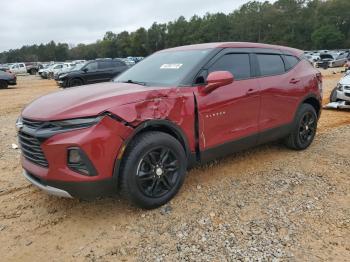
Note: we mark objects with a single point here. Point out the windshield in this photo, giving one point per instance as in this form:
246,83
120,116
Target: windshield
167,68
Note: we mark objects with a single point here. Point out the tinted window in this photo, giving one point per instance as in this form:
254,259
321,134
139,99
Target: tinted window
291,61
117,63
270,64
104,65
237,64
91,66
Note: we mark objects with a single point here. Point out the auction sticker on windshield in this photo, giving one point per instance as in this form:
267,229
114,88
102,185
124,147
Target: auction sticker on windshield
170,66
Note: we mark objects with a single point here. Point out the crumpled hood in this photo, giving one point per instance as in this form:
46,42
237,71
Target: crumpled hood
88,100
345,80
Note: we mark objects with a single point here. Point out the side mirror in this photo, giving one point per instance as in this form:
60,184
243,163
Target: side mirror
217,79
85,69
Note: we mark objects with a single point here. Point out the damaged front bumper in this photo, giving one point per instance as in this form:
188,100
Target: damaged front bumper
338,105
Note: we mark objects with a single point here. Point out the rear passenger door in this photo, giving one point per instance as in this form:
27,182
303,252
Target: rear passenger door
118,67
105,69
280,89
229,113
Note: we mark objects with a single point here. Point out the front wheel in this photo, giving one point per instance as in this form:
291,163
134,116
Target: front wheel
75,82
304,128
153,169
333,96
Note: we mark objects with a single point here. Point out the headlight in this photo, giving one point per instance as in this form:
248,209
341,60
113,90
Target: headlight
339,87
19,124
63,76
76,123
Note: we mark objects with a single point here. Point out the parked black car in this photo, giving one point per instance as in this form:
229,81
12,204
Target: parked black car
92,72
7,79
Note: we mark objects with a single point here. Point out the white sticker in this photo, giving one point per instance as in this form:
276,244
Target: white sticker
170,66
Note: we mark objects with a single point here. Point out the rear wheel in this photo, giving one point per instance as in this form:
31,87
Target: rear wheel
75,82
153,169
3,84
304,128
333,97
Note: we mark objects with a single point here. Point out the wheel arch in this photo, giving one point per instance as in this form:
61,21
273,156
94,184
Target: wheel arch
162,125
314,102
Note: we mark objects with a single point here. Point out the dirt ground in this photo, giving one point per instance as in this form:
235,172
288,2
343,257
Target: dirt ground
267,203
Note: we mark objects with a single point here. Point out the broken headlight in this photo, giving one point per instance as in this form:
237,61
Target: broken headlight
340,87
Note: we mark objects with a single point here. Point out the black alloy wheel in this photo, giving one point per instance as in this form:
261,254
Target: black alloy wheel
153,169
158,172
307,128
303,129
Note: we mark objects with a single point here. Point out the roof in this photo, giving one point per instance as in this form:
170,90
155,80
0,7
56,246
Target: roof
291,50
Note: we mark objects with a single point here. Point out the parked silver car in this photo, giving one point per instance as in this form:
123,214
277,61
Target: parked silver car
342,91
333,60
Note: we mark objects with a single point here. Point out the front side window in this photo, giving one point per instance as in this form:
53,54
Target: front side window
237,64
270,64
91,66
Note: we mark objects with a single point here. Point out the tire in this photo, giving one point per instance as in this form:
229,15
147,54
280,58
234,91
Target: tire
153,169
32,72
333,96
75,82
3,84
304,128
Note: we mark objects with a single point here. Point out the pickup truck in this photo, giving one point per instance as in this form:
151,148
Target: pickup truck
23,68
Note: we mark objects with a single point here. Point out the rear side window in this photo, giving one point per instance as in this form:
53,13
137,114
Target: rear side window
270,64
291,61
104,65
117,63
237,64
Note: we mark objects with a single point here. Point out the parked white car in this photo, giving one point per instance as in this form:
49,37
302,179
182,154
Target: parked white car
342,91
18,68
51,70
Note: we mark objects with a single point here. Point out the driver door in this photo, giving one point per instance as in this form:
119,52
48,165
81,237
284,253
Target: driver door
228,116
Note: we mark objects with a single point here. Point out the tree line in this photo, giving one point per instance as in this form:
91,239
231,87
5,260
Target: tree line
304,24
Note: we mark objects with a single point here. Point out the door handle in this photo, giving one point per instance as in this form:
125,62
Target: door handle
294,81
250,91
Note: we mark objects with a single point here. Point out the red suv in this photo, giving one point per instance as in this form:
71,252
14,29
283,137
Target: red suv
178,107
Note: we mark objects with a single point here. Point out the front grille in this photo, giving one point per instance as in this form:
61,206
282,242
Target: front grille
347,87
31,149
31,123
347,94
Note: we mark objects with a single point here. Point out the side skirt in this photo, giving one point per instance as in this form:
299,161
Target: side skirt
245,143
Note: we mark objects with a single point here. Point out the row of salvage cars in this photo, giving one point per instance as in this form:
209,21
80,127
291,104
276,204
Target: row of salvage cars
328,58
83,72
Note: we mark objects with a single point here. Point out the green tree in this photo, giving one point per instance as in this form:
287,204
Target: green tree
327,37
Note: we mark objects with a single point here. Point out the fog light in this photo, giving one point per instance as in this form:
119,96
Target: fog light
80,163
74,156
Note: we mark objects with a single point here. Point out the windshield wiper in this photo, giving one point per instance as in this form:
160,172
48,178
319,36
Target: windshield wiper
134,82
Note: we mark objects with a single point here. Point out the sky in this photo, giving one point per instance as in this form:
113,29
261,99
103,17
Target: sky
26,22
